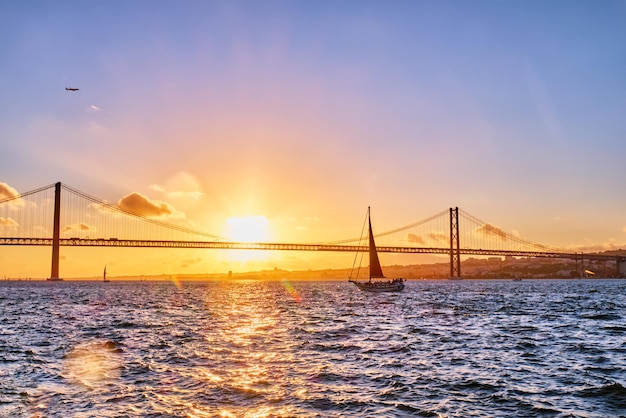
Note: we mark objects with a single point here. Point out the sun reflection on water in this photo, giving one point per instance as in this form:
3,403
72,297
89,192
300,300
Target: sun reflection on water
250,324
242,360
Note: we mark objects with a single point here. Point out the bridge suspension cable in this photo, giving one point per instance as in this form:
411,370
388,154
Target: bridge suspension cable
422,222
27,219
26,194
116,209
480,234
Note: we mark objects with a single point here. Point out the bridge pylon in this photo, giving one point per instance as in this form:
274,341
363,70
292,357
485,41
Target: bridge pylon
56,234
455,248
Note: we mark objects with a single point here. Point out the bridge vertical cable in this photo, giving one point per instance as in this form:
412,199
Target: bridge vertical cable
92,218
28,215
429,232
478,234
85,218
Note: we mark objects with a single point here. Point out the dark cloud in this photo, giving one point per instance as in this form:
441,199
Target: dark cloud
78,227
438,237
190,262
415,239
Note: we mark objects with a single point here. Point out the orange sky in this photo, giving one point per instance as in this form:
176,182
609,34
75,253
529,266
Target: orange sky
304,114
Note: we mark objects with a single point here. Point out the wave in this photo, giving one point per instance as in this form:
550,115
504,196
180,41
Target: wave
612,395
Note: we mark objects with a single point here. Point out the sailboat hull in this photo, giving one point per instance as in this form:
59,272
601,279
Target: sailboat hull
380,287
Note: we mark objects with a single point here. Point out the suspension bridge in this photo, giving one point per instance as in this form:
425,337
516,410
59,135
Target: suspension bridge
59,215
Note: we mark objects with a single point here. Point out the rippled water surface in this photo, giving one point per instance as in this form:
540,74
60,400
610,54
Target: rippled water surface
313,349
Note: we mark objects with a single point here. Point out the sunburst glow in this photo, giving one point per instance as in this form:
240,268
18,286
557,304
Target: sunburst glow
247,228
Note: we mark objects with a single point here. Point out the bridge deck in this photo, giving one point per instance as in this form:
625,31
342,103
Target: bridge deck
113,242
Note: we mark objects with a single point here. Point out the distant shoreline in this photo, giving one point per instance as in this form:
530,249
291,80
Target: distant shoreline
493,268
261,277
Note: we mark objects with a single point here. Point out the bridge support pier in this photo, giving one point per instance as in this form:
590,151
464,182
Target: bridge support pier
455,251
621,268
54,273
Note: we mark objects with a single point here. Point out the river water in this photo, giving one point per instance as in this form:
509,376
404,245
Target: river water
536,348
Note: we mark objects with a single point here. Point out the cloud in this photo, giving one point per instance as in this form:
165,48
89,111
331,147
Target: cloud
7,192
156,188
8,222
190,262
611,245
438,236
490,230
415,239
302,224
81,227
185,195
143,206
182,185
94,107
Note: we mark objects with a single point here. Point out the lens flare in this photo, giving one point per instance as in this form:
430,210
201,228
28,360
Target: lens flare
292,292
177,282
93,363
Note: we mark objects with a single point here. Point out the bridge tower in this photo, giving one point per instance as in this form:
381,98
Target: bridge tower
455,249
54,273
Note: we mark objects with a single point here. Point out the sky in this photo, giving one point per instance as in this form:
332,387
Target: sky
300,114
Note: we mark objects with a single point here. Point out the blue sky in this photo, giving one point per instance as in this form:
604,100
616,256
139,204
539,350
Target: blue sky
313,110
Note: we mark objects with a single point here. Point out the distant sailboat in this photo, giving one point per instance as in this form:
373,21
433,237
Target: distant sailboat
104,275
376,271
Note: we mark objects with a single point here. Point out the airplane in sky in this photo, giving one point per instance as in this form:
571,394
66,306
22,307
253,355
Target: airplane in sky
71,89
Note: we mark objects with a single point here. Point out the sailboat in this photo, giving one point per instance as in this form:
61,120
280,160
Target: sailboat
104,275
376,271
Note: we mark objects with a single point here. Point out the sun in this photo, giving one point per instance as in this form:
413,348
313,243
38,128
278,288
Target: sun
247,229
